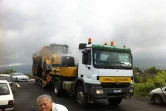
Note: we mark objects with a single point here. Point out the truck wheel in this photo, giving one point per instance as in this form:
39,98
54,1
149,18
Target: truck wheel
40,83
35,81
57,88
115,101
16,79
81,97
43,86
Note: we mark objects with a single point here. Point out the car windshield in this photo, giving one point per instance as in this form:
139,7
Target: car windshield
4,89
19,74
5,78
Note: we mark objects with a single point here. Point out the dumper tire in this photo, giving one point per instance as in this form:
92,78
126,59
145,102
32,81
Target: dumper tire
57,85
114,101
81,98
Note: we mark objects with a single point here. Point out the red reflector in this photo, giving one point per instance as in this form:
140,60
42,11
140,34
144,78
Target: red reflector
10,102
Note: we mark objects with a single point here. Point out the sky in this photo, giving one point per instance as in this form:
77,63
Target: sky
28,25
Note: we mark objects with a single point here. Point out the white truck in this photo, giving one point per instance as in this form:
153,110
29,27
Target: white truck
103,72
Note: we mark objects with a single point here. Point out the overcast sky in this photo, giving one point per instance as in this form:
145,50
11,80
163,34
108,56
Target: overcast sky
28,25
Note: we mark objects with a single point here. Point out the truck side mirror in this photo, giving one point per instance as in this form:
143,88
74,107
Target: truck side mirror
84,52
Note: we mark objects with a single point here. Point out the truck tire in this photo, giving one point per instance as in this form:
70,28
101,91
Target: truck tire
43,85
81,97
57,85
36,81
115,101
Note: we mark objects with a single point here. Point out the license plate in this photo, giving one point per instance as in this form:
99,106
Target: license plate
115,79
117,91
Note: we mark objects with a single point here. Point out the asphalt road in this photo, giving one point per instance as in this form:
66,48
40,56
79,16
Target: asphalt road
26,94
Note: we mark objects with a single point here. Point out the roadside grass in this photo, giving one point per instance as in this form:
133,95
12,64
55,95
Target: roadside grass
143,88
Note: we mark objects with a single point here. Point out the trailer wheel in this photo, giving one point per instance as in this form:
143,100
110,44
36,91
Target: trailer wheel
35,81
43,85
40,83
114,101
81,97
57,88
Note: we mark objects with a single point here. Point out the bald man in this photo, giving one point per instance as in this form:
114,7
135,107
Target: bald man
45,104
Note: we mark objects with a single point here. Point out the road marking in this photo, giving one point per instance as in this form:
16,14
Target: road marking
17,85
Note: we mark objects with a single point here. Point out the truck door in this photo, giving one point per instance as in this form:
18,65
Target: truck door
85,67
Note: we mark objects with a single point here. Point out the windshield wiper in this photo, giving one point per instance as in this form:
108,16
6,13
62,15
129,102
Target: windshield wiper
102,61
124,63
109,66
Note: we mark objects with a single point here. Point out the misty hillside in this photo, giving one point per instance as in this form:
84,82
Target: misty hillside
26,69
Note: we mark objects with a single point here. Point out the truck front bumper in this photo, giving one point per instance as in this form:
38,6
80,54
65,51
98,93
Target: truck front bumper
103,93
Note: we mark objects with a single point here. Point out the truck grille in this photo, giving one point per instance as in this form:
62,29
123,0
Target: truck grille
115,85
116,94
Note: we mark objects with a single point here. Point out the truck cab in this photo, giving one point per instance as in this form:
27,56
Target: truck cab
106,72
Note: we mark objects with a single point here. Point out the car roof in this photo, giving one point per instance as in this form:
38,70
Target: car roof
4,75
17,73
3,81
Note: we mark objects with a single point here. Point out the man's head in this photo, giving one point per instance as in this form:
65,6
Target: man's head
44,102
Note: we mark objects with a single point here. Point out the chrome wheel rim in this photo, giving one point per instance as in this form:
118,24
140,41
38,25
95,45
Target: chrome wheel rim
157,99
80,97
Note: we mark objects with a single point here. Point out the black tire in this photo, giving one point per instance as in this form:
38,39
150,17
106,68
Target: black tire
36,81
57,85
16,79
39,82
114,101
157,99
43,85
80,97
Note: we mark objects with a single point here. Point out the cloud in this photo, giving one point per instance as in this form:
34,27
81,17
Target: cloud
27,26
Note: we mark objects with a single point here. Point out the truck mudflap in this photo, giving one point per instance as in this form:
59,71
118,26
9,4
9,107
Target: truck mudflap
104,93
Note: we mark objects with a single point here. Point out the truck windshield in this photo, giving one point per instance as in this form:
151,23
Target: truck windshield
112,59
55,48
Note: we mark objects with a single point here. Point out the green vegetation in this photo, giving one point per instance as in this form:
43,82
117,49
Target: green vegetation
150,79
8,71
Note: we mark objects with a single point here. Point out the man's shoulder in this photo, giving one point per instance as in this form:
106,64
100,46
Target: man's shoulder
59,107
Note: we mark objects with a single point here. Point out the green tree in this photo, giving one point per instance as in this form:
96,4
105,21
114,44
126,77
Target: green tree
136,70
8,71
152,70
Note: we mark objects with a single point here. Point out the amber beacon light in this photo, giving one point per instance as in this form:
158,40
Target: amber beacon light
89,40
112,43
105,43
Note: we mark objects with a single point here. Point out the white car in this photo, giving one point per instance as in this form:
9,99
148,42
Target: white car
158,95
19,77
6,96
9,79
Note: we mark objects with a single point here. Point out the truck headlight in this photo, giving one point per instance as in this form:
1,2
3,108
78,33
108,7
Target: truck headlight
131,90
99,91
